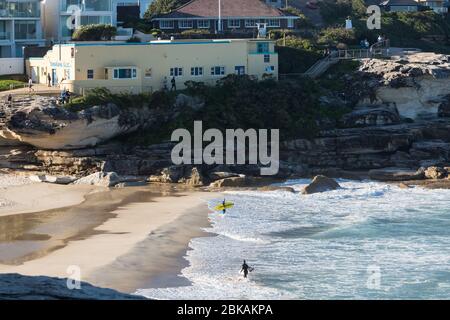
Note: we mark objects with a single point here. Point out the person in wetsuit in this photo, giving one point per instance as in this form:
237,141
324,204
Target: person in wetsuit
245,268
224,209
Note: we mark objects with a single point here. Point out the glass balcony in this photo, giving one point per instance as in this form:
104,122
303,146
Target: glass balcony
5,35
86,5
20,9
25,30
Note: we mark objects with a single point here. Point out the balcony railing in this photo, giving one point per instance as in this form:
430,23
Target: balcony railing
86,5
20,9
5,35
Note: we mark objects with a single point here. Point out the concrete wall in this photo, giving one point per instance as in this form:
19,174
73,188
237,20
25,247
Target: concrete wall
11,66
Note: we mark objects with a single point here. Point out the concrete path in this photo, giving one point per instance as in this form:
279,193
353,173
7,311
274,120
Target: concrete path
40,89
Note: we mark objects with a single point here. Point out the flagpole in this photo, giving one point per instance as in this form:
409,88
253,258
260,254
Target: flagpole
219,27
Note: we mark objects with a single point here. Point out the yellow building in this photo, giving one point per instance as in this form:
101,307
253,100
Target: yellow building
151,66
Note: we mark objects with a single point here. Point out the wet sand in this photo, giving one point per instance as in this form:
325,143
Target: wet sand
123,239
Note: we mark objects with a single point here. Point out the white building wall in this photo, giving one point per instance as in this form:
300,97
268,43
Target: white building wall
11,66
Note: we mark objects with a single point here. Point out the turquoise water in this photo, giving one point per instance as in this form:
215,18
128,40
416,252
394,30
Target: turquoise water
365,241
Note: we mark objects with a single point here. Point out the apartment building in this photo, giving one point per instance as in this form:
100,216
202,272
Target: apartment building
146,67
20,26
61,17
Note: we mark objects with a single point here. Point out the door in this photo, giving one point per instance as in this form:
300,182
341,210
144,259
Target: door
54,77
34,74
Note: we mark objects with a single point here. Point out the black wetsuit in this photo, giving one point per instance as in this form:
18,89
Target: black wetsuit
245,268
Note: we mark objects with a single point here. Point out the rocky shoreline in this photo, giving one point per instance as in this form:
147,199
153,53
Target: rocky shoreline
16,286
398,131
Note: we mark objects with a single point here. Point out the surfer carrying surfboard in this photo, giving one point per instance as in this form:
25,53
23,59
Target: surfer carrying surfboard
245,268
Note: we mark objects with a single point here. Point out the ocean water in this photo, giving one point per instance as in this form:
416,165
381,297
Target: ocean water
367,240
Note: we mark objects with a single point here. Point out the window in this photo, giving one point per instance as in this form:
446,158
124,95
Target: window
197,71
273,23
185,24
267,58
90,74
239,70
176,72
263,47
67,74
250,23
290,23
270,69
166,24
203,24
234,23
218,71
125,73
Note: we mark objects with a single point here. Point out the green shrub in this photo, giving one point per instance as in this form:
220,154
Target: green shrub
296,43
333,36
163,6
94,32
6,84
195,32
155,32
134,39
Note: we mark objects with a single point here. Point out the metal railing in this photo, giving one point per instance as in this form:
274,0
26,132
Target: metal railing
379,49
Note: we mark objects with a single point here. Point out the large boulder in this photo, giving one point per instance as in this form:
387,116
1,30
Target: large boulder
168,175
185,174
53,179
435,173
240,181
101,179
193,178
320,184
395,174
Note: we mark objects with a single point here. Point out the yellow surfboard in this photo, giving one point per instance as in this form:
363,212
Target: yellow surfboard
222,207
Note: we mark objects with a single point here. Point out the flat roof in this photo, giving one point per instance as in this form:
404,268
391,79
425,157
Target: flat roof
162,42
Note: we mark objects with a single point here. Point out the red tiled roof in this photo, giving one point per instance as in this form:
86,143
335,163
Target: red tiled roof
230,8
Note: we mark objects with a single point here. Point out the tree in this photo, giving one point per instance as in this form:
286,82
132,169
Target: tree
95,32
162,7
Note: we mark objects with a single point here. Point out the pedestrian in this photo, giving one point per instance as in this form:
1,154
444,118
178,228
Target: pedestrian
174,84
30,85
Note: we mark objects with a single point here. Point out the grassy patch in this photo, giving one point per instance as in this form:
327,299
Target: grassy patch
6,84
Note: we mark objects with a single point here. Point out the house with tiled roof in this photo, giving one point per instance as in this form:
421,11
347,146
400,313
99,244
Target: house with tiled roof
231,15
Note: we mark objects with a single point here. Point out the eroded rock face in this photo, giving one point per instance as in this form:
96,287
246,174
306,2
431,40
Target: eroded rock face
371,116
43,124
416,84
101,179
320,184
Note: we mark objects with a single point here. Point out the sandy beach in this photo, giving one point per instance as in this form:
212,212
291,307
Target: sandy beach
121,238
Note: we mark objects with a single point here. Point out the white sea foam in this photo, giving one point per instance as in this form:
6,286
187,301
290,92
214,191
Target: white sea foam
323,245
